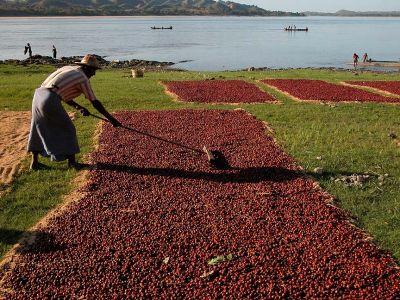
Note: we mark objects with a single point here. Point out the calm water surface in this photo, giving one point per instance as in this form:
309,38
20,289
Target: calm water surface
208,43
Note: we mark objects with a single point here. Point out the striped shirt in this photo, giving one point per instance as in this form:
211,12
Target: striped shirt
69,82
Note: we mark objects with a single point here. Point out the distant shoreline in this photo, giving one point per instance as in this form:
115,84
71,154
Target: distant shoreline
350,13
70,60
86,17
144,16
189,16
171,66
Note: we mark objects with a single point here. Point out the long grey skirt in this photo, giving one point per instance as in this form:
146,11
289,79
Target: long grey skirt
52,132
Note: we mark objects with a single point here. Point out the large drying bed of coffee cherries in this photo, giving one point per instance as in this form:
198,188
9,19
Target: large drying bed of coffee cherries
218,91
386,86
318,90
159,222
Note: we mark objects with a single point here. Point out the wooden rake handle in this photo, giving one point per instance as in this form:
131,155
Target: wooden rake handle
152,136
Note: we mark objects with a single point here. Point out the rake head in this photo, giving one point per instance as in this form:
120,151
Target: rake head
216,159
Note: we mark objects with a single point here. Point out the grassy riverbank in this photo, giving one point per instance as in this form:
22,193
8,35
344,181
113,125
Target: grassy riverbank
342,139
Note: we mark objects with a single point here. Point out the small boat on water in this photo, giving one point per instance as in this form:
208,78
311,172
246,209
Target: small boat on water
154,27
295,29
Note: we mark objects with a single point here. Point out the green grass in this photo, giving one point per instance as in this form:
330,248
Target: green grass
349,138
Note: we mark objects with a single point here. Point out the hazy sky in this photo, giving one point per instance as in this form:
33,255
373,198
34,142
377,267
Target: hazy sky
325,5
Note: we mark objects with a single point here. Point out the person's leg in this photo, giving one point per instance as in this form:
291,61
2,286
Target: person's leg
71,161
35,160
73,164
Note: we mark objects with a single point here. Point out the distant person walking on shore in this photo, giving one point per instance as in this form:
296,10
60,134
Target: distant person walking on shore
28,50
355,60
54,52
365,57
52,132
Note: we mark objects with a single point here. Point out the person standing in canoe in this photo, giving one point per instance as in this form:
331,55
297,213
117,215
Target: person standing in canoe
52,131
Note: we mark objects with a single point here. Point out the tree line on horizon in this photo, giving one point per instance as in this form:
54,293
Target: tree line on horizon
132,8
349,13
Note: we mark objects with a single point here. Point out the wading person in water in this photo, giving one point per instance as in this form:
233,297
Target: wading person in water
52,131
54,52
28,49
365,57
355,60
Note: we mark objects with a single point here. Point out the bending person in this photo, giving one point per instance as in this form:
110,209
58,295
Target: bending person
52,131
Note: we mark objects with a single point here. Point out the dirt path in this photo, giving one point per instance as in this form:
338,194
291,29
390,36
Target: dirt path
14,131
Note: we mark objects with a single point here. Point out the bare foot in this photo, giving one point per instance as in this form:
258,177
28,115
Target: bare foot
36,166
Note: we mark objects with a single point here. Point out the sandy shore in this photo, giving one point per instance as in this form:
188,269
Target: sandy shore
14,133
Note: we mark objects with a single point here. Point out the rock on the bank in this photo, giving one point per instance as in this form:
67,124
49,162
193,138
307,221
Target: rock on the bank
47,60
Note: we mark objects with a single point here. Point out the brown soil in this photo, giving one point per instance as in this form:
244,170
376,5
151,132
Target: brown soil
14,134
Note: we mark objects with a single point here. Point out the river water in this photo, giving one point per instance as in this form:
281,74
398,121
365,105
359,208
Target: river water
208,43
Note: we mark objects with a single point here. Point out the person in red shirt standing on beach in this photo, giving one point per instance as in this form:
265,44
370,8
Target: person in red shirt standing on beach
52,131
355,60
365,57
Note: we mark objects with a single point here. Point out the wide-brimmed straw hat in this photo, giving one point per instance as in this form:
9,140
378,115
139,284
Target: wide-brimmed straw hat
89,60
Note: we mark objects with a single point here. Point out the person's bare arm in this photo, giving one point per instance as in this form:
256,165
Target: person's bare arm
81,109
100,108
